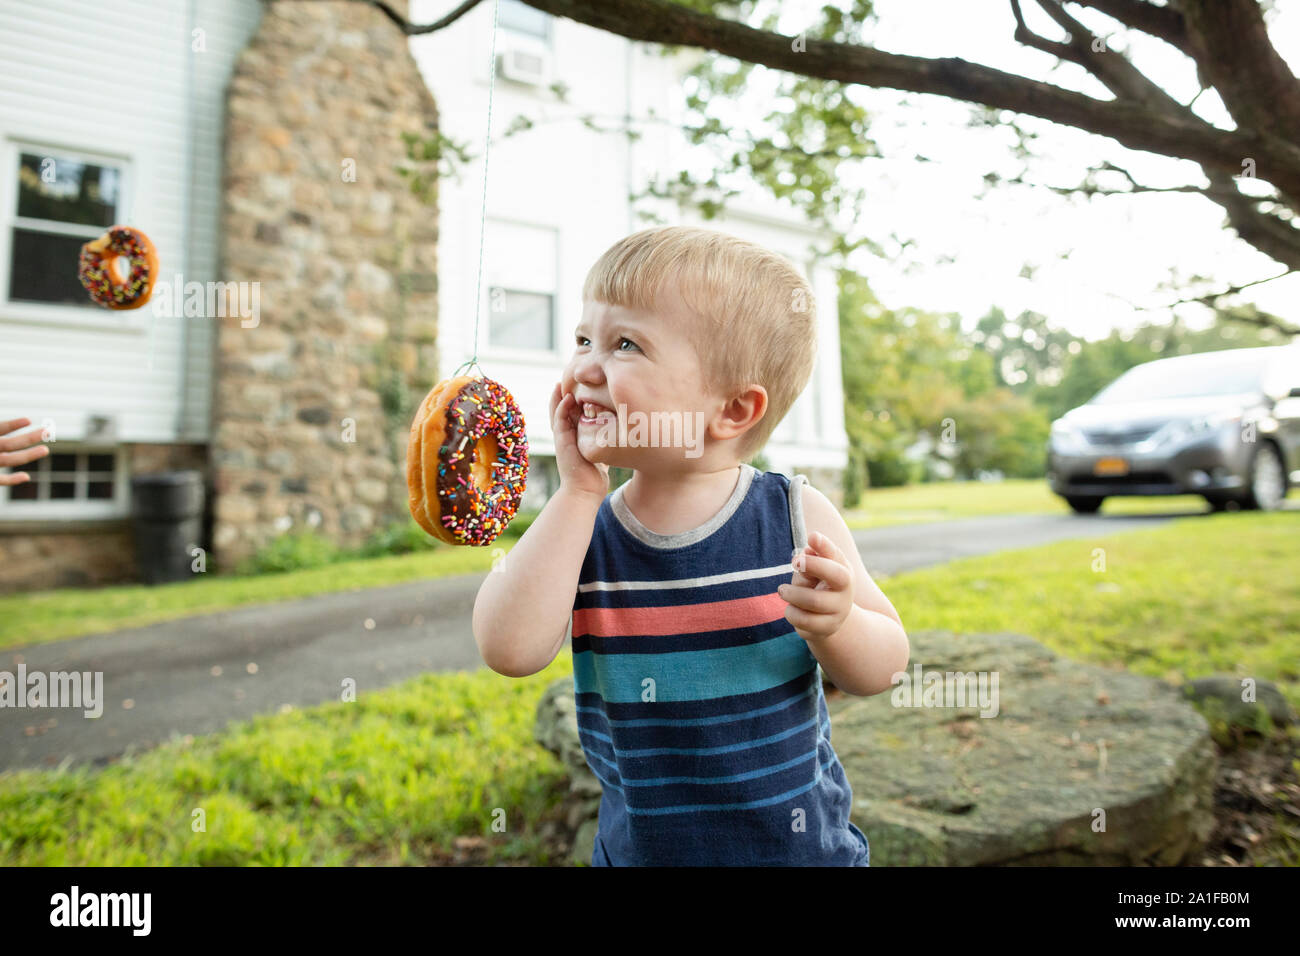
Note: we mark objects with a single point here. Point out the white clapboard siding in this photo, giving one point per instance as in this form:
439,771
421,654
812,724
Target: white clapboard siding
124,82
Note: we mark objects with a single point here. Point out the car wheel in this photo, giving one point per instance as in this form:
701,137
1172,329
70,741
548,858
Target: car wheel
1084,504
1267,480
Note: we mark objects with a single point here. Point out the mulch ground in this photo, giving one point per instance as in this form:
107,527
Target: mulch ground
1256,804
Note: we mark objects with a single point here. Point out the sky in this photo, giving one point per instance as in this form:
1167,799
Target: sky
1119,248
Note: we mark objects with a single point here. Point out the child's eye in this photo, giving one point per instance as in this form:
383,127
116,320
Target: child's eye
580,339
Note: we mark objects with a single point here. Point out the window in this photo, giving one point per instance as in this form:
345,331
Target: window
69,483
61,201
521,291
1226,372
521,18
522,320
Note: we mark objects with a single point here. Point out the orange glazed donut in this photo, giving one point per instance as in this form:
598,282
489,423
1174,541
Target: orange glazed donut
467,460
100,279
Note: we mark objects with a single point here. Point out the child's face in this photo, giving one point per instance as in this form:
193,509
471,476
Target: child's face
645,362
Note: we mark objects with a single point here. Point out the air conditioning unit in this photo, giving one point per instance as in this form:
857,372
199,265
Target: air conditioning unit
522,66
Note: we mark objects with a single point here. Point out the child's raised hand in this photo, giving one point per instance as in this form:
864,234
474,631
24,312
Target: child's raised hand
10,453
576,471
820,593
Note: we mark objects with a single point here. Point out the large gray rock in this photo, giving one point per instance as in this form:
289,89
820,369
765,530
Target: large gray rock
1229,691
938,785
556,729
1027,785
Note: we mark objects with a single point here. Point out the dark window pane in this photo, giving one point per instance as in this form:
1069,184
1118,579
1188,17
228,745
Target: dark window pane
63,462
521,320
63,489
99,463
43,268
67,191
27,491
99,489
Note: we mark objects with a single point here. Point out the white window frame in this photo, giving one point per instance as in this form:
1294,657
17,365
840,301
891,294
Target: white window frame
511,350
64,509
90,316
505,353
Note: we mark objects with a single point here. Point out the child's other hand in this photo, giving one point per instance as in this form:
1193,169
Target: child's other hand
820,593
10,453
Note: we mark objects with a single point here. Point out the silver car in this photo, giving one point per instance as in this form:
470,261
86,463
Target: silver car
1225,425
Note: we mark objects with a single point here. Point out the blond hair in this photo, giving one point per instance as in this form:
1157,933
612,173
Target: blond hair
754,315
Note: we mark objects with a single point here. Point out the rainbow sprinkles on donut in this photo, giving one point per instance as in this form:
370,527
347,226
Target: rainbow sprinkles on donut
97,275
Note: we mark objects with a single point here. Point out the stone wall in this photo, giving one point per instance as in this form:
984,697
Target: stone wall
69,554
313,400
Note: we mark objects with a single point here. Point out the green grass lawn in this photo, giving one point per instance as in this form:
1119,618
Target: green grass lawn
401,772
944,500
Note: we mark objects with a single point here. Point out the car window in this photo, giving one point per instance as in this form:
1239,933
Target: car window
1228,374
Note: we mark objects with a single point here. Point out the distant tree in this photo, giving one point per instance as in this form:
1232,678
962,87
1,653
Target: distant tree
901,369
999,431
1027,352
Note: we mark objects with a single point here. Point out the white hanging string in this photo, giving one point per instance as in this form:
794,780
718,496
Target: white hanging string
487,145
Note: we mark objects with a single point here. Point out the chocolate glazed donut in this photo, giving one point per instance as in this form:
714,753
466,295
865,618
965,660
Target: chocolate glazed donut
467,461
95,268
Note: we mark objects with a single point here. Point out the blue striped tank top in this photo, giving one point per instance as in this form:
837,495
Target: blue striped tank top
700,709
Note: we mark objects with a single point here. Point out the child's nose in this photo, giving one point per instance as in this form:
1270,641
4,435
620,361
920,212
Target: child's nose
587,368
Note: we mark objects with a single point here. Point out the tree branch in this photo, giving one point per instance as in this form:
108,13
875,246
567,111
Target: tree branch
1230,43
405,25
1248,314
1111,67
1088,188
1211,299
1253,315
1165,23
1029,38
1266,231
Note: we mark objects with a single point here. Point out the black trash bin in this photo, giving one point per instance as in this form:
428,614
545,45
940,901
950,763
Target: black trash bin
167,523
